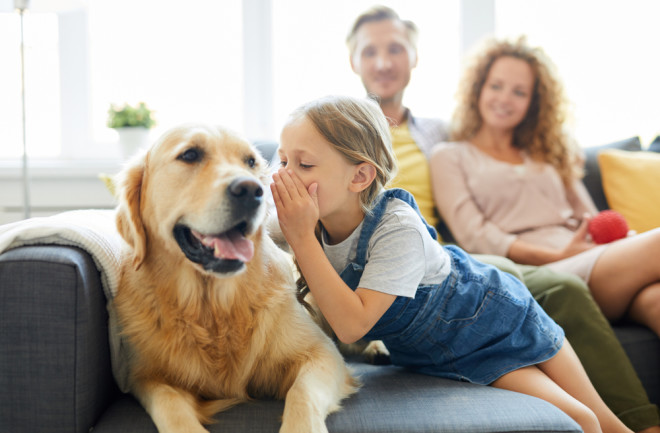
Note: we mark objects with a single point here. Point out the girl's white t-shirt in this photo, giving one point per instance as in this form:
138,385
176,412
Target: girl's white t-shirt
401,254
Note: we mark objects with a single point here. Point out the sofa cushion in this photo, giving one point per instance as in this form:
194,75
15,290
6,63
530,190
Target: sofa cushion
592,176
631,181
391,400
268,149
643,349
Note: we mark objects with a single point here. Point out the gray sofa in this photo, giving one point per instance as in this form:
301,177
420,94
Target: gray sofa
55,373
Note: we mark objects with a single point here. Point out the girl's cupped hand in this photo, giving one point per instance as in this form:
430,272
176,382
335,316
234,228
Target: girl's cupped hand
297,206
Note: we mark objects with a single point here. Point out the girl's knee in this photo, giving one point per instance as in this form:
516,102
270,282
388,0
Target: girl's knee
586,418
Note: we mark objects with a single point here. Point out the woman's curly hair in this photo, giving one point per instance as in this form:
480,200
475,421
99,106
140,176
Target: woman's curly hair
541,131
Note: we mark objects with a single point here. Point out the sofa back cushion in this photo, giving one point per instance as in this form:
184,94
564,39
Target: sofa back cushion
632,186
592,177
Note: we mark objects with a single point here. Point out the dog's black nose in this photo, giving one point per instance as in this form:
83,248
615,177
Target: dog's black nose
247,191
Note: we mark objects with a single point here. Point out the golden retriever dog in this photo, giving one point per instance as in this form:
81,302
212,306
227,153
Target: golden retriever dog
206,300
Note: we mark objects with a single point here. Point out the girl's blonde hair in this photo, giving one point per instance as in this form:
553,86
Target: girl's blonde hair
358,129
541,131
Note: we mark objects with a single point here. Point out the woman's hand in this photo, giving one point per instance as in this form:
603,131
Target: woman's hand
580,241
531,254
297,206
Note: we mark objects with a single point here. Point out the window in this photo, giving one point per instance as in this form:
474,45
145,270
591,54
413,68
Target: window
311,59
606,53
248,63
184,59
42,95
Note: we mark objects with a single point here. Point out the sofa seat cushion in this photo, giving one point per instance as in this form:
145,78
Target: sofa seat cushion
390,400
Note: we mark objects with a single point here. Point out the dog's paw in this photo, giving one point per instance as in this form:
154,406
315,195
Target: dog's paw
376,353
373,352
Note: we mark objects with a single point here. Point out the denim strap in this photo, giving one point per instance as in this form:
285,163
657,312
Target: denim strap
372,219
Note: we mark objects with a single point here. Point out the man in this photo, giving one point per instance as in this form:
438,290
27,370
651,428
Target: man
383,53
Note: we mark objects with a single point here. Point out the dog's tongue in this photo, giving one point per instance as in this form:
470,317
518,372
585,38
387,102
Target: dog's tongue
231,245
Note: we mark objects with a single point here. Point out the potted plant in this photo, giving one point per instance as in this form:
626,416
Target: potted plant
132,123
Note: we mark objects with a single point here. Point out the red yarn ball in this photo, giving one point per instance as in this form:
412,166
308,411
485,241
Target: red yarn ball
608,226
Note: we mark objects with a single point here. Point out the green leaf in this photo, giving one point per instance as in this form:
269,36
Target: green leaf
130,116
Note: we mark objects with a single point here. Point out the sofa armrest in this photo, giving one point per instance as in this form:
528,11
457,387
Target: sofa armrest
54,352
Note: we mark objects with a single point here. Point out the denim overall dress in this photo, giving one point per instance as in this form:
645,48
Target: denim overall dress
477,325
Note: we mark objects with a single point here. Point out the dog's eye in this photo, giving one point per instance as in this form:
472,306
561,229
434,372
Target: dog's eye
251,161
191,155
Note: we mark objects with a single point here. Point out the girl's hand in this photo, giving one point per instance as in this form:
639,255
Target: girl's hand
297,207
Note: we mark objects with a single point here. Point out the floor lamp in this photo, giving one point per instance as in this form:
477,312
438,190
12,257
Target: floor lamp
21,6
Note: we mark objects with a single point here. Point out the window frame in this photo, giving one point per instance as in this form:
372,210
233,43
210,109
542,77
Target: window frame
258,86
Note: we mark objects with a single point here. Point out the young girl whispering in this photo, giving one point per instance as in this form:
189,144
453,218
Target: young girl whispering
376,271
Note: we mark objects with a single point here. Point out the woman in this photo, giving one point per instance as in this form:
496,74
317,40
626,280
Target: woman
509,184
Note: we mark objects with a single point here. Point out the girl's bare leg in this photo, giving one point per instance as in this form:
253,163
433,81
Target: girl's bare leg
566,371
563,382
532,381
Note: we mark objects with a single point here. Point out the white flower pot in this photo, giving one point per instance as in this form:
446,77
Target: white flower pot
132,139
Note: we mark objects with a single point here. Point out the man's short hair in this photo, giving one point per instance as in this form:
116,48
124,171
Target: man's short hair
381,13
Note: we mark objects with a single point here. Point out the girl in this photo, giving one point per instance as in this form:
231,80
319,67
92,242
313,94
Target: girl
510,184
376,271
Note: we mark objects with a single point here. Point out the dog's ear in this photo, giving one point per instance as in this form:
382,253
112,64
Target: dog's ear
129,218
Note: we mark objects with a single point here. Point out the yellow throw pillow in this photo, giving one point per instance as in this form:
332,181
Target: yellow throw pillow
631,181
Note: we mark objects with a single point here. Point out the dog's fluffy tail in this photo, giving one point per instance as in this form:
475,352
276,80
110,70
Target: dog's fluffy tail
206,409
